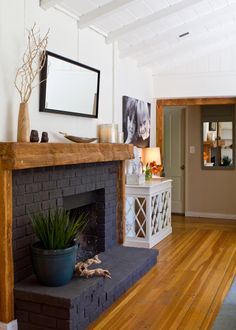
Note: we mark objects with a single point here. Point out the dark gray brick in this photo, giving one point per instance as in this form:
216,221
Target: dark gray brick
24,199
32,208
23,242
64,325
59,313
42,176
22,316
33,187
18,210
49,185
63,183
69,191
19,233
42,320
50,204
55,193
41,196
28,306
22,221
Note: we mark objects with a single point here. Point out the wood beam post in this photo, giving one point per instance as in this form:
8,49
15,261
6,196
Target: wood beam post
6,259
120,205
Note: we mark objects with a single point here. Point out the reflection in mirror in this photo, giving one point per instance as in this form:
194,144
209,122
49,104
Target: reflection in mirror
69,87
218,144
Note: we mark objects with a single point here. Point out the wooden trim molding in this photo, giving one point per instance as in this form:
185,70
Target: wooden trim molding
197,101
6,259
120,205
160,128
160,104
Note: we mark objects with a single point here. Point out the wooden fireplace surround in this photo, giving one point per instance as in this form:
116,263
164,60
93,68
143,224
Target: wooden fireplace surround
17,156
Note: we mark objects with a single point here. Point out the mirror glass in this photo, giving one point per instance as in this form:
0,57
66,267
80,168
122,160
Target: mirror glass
218,144
69,87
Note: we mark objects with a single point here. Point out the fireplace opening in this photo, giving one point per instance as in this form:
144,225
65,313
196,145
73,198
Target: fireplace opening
92,239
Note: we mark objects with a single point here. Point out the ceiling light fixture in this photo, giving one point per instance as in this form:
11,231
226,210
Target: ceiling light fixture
183,34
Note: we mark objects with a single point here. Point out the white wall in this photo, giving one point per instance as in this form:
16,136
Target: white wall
210,75
85,46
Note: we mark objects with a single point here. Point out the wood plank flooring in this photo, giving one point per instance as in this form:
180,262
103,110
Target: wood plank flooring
195,269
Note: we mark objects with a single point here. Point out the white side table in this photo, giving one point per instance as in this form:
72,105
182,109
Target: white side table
148,213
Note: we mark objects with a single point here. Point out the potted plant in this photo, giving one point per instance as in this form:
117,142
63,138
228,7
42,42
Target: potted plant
54,255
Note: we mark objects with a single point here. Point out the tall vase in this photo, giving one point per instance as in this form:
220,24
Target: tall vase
23,129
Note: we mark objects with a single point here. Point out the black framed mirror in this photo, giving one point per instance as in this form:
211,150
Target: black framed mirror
69,87
218,137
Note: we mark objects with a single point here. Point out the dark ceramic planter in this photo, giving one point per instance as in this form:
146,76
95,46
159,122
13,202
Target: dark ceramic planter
53,267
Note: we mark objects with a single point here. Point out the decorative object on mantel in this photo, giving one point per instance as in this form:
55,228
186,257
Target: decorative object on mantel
108,133
135,173
33,62
44,138
81,268
54,256
34,136
78,139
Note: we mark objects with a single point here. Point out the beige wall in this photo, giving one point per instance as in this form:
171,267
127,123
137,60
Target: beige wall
208,191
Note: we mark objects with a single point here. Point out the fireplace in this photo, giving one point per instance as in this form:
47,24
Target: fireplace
89,188
80,178
92,240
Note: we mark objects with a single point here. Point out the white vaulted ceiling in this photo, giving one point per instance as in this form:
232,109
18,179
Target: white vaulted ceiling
149,30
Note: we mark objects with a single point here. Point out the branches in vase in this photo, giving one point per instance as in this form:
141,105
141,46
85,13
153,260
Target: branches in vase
33,62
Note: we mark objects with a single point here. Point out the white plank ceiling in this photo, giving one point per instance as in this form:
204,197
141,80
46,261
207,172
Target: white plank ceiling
158,33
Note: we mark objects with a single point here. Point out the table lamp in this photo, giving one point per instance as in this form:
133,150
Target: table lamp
152,157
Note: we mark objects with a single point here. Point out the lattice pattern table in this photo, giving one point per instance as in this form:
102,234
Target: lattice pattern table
148,213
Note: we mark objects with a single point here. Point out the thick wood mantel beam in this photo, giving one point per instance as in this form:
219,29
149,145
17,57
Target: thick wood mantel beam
6,261
16,156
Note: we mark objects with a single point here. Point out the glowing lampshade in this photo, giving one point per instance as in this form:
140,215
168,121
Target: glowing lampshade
151,155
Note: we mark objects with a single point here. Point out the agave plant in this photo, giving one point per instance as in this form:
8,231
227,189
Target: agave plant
57,230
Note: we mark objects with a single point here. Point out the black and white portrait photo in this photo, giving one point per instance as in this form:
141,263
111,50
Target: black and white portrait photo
136,122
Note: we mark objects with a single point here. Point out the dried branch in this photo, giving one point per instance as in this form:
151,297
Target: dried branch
33,62
81,268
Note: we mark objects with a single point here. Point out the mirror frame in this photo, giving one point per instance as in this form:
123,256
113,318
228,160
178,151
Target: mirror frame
230,167
43,87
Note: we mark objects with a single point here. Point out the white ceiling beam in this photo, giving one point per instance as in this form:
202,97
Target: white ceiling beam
174,32
89,18
46,4
189,46
172,9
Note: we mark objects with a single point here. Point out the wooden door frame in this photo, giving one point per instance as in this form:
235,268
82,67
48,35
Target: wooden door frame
161,103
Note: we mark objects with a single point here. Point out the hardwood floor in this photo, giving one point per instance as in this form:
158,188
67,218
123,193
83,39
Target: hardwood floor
195,269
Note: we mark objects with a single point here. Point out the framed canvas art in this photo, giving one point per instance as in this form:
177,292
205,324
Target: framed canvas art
136,122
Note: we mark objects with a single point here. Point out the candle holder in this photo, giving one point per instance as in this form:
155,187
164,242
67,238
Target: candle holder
108,133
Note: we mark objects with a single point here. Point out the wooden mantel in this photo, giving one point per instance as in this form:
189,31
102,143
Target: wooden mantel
16,156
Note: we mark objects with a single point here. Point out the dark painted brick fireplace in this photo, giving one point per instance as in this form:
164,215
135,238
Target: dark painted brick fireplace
44,188
75,305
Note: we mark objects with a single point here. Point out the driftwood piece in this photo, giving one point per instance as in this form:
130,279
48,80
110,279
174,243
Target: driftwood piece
77,138
81,268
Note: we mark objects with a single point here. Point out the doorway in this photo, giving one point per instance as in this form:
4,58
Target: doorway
160,141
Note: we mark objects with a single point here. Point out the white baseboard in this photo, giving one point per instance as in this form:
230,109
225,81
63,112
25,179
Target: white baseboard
211,215
9,326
